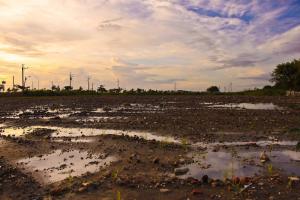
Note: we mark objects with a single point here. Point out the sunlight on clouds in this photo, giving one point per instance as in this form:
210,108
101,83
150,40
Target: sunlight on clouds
147,43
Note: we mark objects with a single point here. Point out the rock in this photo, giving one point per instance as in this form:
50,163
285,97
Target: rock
164,190
293,181
194,181
217,183
264,157
181,171
205,179
181,161
245,180
196,192
236,180
155,160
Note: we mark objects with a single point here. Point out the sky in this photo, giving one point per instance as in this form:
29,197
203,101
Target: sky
148,43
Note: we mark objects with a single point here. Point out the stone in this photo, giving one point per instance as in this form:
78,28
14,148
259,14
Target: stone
155,160
164,190
196,192
205,179
181,171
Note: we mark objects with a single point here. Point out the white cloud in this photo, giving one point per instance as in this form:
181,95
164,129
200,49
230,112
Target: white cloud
150,43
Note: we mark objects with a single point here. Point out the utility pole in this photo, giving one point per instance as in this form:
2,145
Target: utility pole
23,76
89,78
31,85
13,82
51,85
92,86
118,84
71,78
38,84
175,86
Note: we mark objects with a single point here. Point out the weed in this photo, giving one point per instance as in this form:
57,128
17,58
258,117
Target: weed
115,174
227,174
270,169
289,185
184,143
294,130
118,195
70,180
164,143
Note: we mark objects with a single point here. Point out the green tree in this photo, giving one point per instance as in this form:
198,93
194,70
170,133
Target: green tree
213,89
287,75
101,89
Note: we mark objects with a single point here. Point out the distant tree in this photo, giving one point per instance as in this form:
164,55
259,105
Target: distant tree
55,88
101,89
80,89
267,87
287,75
68,88
213,89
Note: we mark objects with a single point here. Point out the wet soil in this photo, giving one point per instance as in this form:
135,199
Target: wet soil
62,147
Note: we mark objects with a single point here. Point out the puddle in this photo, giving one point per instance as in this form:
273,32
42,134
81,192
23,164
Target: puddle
74,140
14,132
41,113
250,106
221,165
260,143
99,110
60,165
100,119
85,132
80,132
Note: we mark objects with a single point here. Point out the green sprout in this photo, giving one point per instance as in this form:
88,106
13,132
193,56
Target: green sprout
118,195
270,169
115,174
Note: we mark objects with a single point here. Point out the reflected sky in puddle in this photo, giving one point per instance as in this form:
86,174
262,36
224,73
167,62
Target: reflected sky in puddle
15,132
250,106
100,118
75,140
60,165
260,143
220,165
79,132
60,132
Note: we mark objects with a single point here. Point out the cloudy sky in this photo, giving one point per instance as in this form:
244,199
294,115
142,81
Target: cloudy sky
148,43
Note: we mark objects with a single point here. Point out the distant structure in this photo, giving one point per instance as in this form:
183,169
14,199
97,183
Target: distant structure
23,77
71,79
88,79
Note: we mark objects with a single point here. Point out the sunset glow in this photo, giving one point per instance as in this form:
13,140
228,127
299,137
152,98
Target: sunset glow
150,43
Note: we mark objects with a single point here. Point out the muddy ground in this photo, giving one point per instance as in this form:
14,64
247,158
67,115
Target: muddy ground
85,148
